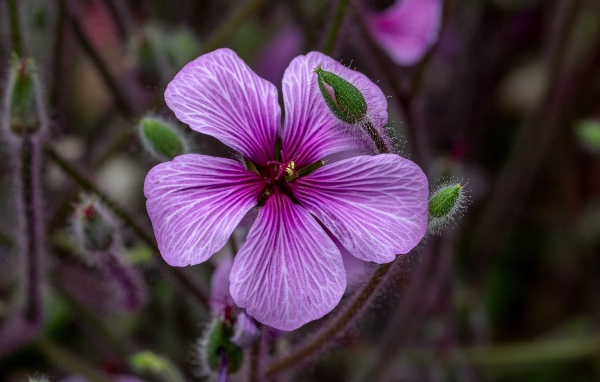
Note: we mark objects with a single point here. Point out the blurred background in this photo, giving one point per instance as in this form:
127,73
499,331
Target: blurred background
504,97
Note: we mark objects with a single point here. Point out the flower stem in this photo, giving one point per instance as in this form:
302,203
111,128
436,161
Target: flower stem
335,26
15,27
176,274
375,137
337,326
117,92
32,235
231,25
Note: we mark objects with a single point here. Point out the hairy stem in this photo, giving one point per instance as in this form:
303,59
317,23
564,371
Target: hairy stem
337,326
176,274
336,25
32,237
231,25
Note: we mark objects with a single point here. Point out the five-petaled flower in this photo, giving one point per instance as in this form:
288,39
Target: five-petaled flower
289,271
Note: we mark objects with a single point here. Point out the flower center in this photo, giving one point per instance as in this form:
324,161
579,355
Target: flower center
280,169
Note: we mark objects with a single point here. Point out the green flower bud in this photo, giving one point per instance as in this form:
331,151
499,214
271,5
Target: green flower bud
444,204
92,226
589,133
146,362
347,102
218,342
23,110
161,139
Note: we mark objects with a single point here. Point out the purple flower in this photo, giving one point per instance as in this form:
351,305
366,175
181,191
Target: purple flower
407,29
288,272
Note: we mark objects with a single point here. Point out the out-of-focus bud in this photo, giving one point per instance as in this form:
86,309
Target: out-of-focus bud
92,226
245,332
445,204
589,134
23,108
147,362
217,344
344,100
161,139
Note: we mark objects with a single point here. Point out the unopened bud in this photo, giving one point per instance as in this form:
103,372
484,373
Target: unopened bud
444,204
147,362
218,344
344,100
92,226
23,112
245,332
161,139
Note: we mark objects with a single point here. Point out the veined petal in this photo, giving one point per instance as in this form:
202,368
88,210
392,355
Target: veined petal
407,30
375,205
311,131
288,272
219,95
195,202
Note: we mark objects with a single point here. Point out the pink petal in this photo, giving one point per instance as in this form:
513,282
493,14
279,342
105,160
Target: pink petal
407,30
375,205
195,202
288,272
220,298
219,95
311,131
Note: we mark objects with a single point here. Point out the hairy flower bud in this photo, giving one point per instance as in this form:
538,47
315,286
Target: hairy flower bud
218,343
344,100
92,226
23,103
161,139
444,204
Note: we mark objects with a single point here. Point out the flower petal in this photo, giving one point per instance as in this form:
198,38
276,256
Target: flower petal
407,30
195,202
219,95
220,298
375,205
288,272
311,131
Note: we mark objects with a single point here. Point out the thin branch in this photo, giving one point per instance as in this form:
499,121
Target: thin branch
15,27
122,102
176,274
335,26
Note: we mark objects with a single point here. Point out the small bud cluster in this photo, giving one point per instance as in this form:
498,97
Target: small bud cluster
162,139
445,203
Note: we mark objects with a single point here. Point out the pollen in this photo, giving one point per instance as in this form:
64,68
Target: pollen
290,169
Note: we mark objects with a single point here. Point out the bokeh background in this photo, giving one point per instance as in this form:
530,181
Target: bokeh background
507,101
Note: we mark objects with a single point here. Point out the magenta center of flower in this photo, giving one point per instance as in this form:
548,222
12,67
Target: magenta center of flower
281,169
